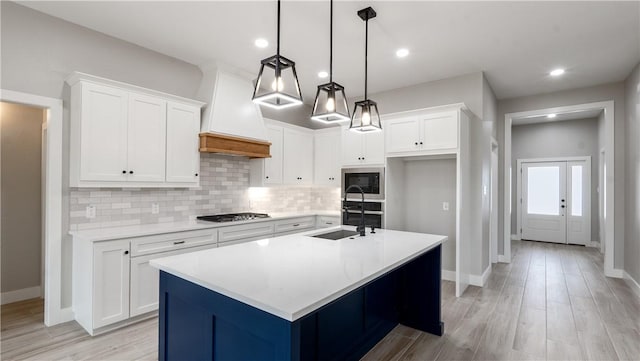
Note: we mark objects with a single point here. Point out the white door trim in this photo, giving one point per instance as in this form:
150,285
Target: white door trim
586,159
53,311
608,108
493,203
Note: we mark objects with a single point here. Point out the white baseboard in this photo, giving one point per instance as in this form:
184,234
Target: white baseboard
503,259
515,237
632,283
448,275
64,315
480,280
615,272
593,244
20,295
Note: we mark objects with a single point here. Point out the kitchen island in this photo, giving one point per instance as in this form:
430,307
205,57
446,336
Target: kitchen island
298,297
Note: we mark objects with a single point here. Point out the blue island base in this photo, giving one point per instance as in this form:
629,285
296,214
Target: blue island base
199,324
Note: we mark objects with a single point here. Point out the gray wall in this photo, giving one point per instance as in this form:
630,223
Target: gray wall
615,92
632,168
428,183
21,235
571,138
40,51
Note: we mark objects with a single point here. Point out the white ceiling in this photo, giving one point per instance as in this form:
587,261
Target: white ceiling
582,114
516,44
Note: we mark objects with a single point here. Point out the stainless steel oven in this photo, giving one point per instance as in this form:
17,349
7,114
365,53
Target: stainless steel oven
373,213
371,180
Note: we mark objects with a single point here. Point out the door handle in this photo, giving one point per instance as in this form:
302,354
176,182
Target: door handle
562,200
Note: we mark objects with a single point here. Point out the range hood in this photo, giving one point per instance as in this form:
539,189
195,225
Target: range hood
231,122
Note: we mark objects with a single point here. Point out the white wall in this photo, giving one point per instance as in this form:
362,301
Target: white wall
615,92
632,169
571,138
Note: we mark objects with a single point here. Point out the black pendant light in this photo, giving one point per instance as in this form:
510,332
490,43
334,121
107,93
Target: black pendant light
330,105
366,117
277,85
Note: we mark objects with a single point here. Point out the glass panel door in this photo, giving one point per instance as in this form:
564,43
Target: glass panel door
543,201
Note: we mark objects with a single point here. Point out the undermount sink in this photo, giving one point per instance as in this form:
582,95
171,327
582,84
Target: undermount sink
335,235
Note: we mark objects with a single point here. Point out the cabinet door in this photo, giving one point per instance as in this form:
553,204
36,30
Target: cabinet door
327,159
103,134
439,131
183,156
402,135
273,165
298,157
352,148
110,282
373,148
147,132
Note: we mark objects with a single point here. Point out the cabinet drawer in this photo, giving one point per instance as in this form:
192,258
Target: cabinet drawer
245,232
172,241
294,224
327,221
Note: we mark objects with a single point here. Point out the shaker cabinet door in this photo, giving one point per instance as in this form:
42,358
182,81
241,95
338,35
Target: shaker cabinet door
147,131
183,156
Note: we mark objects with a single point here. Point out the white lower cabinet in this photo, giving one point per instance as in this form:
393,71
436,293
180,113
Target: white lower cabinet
294,225
111,283
327,221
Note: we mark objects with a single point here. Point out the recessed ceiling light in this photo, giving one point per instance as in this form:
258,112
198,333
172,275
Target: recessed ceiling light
323,74
401,53
261,43
557,72
551,116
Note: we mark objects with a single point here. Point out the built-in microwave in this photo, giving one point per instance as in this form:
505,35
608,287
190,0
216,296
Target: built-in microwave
371,180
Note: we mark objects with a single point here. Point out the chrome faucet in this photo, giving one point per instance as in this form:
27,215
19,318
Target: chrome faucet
361,227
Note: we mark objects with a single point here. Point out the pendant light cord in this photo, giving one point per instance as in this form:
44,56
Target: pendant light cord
366,48
331,44
278,47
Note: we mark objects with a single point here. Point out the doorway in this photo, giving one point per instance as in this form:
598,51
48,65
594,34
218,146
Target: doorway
21,129
54,312
555,200
606,109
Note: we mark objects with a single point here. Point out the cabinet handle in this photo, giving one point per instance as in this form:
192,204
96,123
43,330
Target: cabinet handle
124,172
329,223
296,225
416,143
178,242
196,174
420,143
267,177
130,172
126,252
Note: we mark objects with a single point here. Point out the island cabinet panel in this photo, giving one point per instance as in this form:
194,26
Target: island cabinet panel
198,323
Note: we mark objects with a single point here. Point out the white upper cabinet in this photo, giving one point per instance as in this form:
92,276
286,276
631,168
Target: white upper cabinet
428,133
102,136
146,138
183,157
326,159
297,157
362,149
126,136
273,165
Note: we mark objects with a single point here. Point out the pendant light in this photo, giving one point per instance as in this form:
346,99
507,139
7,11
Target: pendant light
366,117
277,85
330,105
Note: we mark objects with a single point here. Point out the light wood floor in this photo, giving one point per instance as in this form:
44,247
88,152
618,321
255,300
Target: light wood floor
552,302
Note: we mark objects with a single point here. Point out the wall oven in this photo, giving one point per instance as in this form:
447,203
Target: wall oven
371,180
373,213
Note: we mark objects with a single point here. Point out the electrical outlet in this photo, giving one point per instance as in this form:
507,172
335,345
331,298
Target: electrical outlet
155,208
90,212
445,206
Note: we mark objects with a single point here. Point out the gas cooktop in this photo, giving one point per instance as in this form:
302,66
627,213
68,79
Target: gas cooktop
233,217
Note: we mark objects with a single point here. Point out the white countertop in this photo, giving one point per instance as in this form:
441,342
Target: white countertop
105,234
291,276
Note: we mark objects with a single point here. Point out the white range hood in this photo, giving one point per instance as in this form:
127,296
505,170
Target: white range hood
231,122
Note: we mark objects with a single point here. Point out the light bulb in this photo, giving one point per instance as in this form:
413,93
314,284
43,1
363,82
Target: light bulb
331,104
280,85
366,118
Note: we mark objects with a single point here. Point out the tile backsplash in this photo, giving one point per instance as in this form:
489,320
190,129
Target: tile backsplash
224,188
